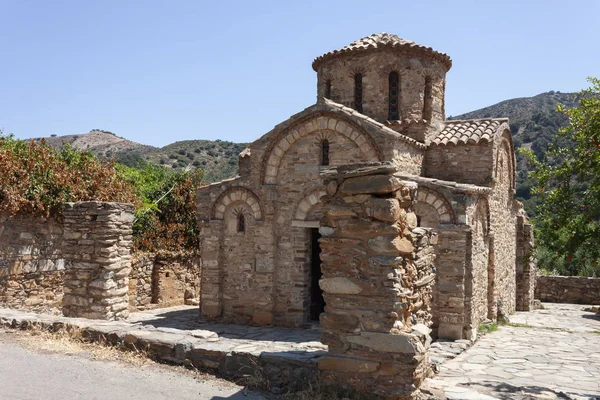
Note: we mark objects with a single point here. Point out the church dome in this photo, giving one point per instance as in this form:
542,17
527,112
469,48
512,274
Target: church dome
380,41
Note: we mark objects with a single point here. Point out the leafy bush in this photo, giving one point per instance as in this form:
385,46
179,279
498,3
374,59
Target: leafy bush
166,220
36,179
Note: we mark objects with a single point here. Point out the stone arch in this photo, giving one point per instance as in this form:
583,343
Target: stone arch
505,144
237,194
310,125
435,201
308,202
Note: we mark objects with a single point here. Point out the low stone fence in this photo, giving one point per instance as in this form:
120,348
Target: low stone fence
568,289
164,281
87,255
31,263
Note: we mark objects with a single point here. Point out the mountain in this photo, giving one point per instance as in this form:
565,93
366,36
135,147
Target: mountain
102,143
218,159
534,123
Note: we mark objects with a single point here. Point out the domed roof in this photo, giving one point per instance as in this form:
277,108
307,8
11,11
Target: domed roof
381,41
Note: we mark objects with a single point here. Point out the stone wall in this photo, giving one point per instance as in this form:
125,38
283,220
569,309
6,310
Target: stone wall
526,268
163,281
503,226
413,71
97,249
568,289
449,310
377,281
31,263
468,164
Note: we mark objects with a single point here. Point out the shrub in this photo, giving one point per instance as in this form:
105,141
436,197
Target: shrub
36,179
166,220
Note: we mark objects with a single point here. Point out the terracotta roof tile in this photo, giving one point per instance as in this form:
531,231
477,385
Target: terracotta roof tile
384,40
468,131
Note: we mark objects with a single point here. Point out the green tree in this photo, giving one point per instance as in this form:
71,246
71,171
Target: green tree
567,186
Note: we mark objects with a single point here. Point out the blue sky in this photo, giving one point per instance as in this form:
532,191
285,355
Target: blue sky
161,71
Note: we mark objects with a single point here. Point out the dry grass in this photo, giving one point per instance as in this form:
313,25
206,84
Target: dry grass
316,391
73,342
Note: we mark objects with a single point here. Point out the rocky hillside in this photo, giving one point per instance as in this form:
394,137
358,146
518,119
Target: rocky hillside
218,159
533,123
102,143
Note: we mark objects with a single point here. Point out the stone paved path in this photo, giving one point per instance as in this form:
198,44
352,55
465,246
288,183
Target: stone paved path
545,354
252,340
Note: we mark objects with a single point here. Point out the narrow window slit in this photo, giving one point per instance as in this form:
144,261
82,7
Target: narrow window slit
241,225
427,100
325,152
358,95
394,96
328,89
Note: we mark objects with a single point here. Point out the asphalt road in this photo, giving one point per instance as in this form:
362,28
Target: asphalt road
27,374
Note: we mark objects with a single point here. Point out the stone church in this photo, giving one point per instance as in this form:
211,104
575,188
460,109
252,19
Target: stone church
379,99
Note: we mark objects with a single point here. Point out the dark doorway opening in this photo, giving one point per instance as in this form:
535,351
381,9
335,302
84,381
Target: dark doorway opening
317,303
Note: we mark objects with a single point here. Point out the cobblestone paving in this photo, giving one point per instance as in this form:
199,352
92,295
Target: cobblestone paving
252,340
545,354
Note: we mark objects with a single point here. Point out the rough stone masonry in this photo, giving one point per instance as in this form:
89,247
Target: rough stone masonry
379,99
378,276
97,245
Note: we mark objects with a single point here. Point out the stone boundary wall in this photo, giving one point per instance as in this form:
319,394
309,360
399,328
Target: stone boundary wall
163,281
568,289
31,263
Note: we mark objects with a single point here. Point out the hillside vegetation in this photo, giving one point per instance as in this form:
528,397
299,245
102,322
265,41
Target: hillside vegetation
218,159
534,124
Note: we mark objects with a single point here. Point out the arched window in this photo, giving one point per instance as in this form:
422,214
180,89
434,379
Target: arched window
241,223
358,98
427,99
325,152
328,89
394,97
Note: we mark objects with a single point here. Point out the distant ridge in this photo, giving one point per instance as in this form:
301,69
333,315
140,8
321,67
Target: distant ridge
218,158
533,122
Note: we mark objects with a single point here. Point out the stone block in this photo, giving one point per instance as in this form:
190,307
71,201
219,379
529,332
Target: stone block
344,322
370,184
450,331
388,342
345,364
339,286
387,245
385,209
262,318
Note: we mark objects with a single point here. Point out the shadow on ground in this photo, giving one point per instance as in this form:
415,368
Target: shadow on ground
242,394
505,391
189,319
595,317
